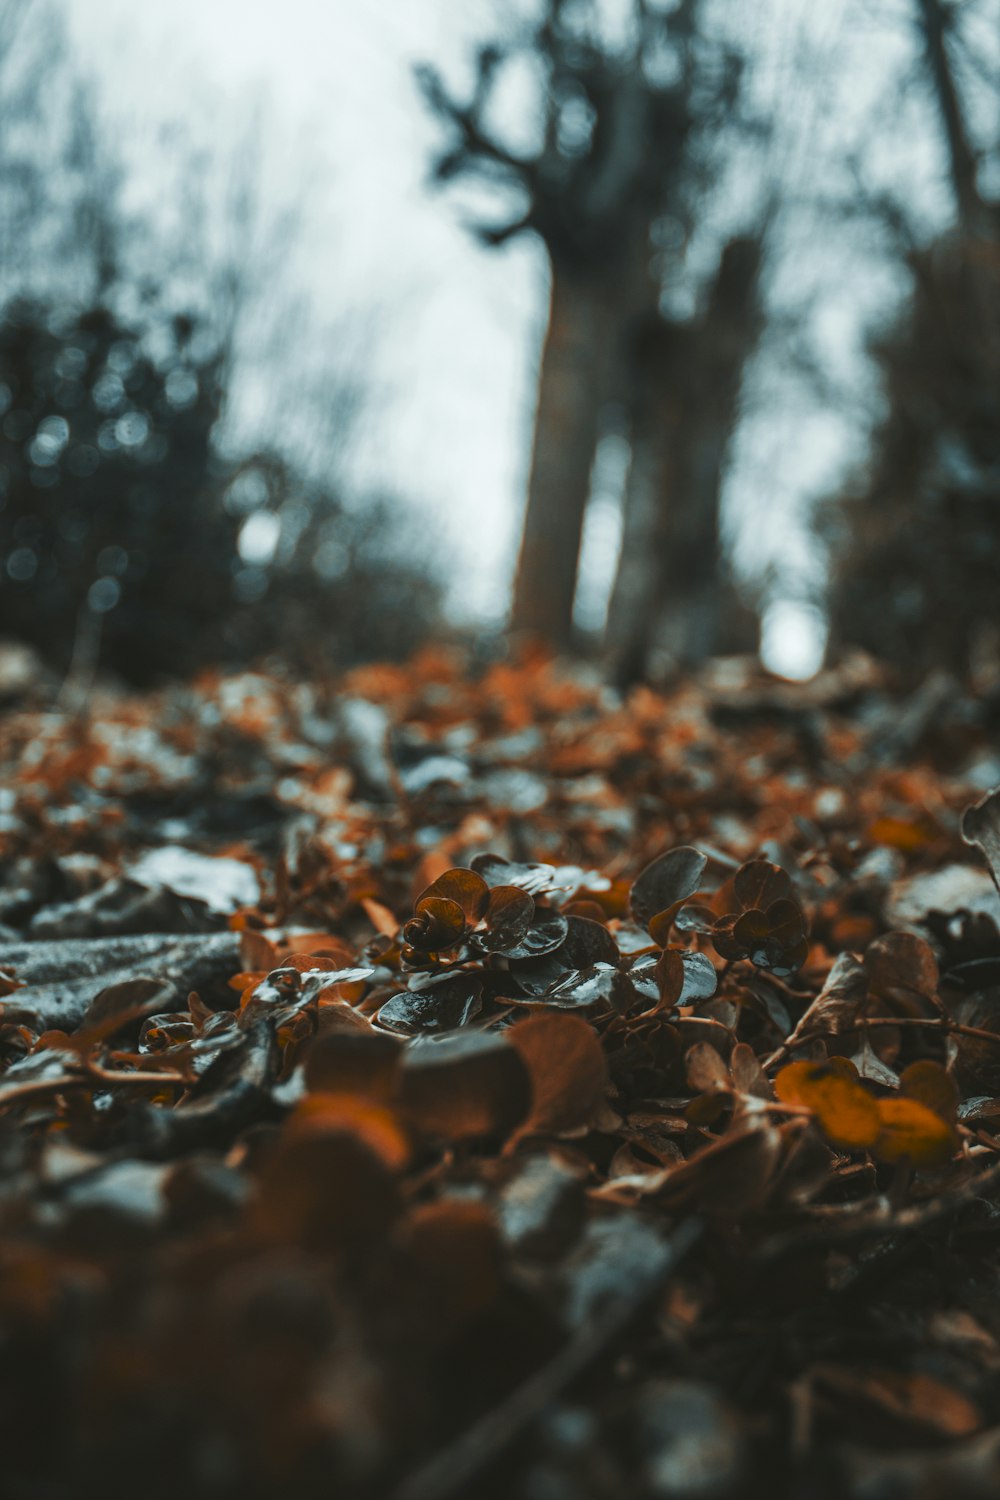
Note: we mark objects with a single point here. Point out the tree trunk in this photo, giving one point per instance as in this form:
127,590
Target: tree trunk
961,156
674,593
660,351
574,385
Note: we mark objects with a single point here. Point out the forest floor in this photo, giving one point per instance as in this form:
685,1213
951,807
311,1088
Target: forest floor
438,1084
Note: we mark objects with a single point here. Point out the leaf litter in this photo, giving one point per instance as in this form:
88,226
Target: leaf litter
446,1082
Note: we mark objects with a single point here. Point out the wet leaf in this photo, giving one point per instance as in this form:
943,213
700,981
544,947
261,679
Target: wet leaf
437,924
465,888
774,939
546,933
665,882
583,989
508,916
588,943
451,1002
535,879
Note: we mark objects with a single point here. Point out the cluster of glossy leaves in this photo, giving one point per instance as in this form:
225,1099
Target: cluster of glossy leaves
767,924
331,1142
462,905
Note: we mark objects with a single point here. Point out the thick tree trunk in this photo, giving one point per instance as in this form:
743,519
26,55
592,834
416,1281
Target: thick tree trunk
574,386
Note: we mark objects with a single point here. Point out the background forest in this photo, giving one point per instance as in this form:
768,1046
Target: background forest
762,386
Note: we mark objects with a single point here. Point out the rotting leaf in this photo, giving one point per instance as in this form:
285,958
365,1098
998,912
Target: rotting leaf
364,1062
731,1177
706,1071
902,972
931,1084
346,1242
453,1254
329,1184
839,1004
670,975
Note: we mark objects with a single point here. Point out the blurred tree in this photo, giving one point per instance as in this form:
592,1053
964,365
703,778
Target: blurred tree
107,526
612,156
319,583
916,542
134,529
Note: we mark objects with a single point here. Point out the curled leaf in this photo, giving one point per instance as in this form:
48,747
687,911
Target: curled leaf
465,888
438,923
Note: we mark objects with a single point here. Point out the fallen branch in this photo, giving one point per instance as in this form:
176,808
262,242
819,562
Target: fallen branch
456,1466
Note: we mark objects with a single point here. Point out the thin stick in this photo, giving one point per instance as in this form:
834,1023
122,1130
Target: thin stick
39,1087
881,1222
934,1023
451,1470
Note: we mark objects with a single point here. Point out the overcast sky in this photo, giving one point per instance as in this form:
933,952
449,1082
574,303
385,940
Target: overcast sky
452,331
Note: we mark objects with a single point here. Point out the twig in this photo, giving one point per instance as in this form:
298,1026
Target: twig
93,1078
886,1223
456,1466
934,1023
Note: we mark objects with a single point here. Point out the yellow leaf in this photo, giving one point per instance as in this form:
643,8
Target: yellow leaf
909,1130
847,1113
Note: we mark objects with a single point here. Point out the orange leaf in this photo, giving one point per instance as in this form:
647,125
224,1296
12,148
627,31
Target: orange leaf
847,1113
933,1086
911,1131
351,1114
380,917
